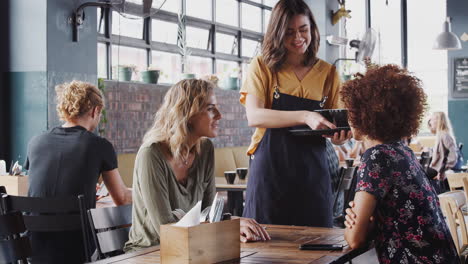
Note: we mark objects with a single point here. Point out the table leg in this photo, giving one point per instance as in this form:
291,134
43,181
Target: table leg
235,202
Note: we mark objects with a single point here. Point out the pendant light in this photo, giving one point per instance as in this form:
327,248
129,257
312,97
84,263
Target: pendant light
447,40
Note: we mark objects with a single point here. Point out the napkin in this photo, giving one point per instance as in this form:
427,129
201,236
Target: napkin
191,218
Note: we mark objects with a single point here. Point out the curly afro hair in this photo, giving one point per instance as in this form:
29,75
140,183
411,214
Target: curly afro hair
386,104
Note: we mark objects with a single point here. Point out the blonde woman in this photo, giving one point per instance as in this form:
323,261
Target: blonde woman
67,160
444,153
174,167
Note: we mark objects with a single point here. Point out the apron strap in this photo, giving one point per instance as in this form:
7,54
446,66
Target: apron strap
329,81
276,93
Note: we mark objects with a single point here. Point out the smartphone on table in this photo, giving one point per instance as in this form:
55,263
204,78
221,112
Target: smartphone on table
310,246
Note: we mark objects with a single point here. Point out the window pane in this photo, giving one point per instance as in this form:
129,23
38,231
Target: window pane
227,11
272,3
427,64
226,69
127,27
103,21
226,43
169,63
267,15
245,69
250,48
199,65
171,5
101,53
197,37
128,56
164,31
199,8
251,17
388,48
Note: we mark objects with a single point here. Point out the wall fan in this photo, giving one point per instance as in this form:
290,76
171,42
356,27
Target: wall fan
365,47
136,9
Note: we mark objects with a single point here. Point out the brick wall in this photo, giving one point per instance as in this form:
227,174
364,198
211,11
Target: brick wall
131,108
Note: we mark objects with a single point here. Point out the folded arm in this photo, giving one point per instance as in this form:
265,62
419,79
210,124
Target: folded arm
359,225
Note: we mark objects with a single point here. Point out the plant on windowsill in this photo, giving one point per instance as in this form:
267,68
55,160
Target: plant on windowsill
231,81
184,50
125,71
151,75
103,121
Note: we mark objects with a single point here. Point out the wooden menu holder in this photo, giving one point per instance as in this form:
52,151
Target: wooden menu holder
15,185
204,243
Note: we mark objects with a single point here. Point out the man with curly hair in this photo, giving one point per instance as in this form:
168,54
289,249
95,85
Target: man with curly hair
67,161
385,107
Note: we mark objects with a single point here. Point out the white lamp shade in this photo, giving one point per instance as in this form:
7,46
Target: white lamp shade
447,40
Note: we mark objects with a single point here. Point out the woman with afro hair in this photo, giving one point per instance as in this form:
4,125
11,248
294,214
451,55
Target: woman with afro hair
394,199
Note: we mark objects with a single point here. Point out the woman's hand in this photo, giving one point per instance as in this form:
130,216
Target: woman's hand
317,121
339,138
250,230
350,218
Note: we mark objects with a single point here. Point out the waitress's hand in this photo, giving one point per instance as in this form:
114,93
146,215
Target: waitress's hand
317,121
339,138
250,230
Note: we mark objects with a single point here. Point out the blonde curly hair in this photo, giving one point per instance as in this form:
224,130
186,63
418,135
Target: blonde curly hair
182,101
76,98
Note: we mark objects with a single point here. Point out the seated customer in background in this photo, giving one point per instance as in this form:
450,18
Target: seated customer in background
444,153
174,167
67,160
385,106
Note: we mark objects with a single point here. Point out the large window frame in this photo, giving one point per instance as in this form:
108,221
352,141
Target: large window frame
107,37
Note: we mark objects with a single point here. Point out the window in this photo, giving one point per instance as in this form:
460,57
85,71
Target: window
127,27
249,12
165,32
197,37
427,64
226,43
171,62
129,56
388,48
159,45
101,63
226,12
199,8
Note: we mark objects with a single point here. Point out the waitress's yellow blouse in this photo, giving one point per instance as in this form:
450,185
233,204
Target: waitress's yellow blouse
259,82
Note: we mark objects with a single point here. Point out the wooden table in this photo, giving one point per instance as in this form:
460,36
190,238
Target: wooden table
235,194
283,248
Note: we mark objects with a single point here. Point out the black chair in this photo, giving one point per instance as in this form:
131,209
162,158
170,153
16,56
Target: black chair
110,227
346,185
13,246
59,220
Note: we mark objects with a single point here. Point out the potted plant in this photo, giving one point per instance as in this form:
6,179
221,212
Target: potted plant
184,51
231,81
151,75
125,72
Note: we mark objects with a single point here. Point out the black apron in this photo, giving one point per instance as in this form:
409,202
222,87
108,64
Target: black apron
289,181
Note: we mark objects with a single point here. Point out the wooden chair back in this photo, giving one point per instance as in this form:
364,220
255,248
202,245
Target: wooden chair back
110,227
13,246
455,180
451,205
52,214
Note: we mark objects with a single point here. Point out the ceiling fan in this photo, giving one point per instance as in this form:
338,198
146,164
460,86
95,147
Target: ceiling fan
141,8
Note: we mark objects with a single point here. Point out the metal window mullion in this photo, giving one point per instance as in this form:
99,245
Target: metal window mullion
368,14
147,38
404,34
108,34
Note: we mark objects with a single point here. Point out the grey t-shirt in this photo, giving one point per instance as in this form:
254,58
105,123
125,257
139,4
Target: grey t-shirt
68,161
156,192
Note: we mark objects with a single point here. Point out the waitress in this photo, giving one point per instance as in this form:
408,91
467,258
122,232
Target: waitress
289,182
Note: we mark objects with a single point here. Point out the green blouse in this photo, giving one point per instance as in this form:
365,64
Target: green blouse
156,192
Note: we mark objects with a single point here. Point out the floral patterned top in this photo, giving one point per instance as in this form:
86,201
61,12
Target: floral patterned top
410,227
